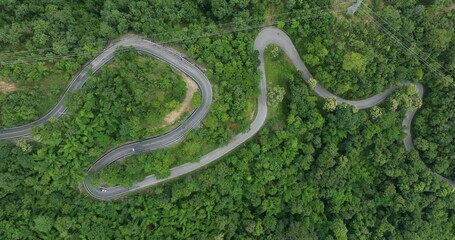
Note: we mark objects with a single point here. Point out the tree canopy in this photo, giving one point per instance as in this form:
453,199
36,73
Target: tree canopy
317,170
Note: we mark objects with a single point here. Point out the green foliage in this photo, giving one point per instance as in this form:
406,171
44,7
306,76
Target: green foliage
312,83
23,145
275,95
354,62
376,112
424,28
330,104
323,175
407,96
196,100
43,224
275,52
345,177
144,89
439,38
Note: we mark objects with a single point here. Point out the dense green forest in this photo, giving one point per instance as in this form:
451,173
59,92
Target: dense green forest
317,178
381,46
360,65
313,172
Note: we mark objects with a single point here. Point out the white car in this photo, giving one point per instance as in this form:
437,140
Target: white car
134,150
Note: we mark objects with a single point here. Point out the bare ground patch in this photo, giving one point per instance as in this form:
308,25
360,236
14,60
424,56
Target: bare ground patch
191,88
7,87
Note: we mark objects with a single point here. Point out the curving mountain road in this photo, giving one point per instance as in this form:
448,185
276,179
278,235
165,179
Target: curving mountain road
166,140
266,37
106,56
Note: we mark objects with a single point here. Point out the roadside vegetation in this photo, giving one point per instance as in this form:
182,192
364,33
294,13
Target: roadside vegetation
129,99
23,100
329,172
159,163
319,170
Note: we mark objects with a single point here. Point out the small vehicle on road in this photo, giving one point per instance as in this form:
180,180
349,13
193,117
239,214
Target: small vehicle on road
103,189
133,149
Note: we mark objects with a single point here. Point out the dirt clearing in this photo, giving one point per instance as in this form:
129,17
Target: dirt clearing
191,88
7,87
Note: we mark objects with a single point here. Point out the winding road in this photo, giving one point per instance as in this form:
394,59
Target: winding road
266,37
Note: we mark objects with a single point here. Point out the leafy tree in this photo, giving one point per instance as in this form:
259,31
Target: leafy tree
275,51
318,175
354,62
23,145
330,104
275,95
312,83
43,224
439,38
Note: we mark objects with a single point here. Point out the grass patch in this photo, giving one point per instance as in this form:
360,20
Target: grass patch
196,100
52,86
278,69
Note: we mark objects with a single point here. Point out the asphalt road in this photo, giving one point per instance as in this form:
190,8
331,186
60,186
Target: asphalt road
24,131
172,137
266,37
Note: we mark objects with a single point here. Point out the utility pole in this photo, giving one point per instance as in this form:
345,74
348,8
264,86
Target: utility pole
352,9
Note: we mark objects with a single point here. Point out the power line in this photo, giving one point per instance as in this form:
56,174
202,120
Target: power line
400,44
30,60
245,29
416,54
221,25
406,49
411,43
51,48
